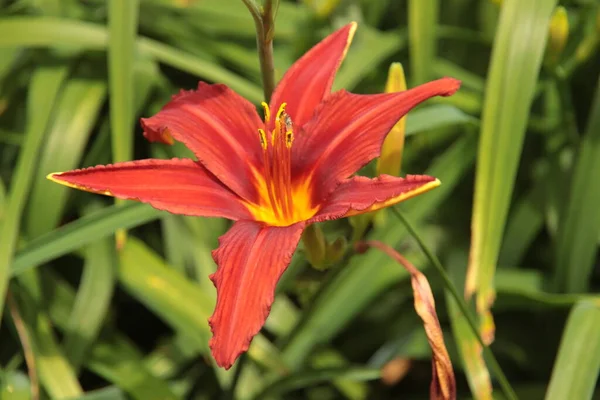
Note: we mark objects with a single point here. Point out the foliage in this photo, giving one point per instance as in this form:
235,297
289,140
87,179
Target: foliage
516,150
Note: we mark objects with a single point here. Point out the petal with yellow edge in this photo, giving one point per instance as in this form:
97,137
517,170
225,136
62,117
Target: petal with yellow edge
309,80
348,131
179,186
360,194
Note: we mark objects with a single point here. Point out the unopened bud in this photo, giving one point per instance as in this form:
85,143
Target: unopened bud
315,245
322,8
390,159
558,34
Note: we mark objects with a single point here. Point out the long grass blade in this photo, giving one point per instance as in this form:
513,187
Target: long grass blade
81,232
56,374
109,393
578,362
77,111
45,86
370,48
516,60
49,32
305,379
422,38
118,361
471,351
91,304
113,358
579,228
122,34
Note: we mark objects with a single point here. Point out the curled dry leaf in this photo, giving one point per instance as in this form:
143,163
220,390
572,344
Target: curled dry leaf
443,383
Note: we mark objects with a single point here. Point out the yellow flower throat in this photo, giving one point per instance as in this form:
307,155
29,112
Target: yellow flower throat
282,202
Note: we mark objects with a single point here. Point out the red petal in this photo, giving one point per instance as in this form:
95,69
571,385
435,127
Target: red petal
178,186
220,127
360,194
251,258
348,130
309,80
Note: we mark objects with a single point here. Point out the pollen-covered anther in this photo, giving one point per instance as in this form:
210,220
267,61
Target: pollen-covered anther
263,138
265,107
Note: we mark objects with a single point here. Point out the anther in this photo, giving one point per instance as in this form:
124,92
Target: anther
263,139
265,106
281,111
289,139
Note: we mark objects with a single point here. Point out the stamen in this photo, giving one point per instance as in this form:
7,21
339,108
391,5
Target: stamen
281,111
263,138
277,163
265,106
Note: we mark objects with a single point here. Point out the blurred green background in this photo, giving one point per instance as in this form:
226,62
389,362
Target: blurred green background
517,150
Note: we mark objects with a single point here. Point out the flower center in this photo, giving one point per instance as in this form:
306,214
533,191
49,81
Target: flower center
283,202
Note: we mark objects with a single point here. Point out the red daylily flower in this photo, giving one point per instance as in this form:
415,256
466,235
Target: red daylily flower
272,178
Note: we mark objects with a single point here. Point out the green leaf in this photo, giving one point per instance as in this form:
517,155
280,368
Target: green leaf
369,49
165,291
109,393
80,232
14,385
44,88
578,362
422,38
2,200
121,363
468,79
77,110
93,298
193,65
436,116
122,34
527,286
305,379
113,358
509,94
56,374
579,227
469,348
48,32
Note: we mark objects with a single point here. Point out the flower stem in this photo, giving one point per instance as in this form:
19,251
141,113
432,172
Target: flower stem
264,19
462,305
